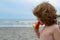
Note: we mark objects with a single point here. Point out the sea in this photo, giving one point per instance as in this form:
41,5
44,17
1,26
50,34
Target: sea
18,22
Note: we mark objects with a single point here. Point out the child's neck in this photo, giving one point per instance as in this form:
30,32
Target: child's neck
50,25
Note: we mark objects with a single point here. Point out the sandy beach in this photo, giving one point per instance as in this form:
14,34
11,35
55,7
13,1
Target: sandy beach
17,33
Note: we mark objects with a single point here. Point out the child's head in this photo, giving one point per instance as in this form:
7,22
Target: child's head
46,13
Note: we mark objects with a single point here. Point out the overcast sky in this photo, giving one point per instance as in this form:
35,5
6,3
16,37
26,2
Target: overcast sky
22,9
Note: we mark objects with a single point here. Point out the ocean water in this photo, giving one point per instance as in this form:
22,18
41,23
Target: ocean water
18,22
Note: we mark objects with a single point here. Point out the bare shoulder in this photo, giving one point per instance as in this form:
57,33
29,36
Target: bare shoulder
56,28
53,28
56,33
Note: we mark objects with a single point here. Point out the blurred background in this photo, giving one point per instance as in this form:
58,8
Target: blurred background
18,13
16,18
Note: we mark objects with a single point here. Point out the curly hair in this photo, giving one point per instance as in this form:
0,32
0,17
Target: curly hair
46,12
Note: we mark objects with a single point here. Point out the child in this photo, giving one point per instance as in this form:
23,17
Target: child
46,14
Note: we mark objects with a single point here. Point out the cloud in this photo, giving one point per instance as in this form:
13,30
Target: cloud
54,2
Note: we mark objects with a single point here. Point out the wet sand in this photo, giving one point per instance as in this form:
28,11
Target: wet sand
17,33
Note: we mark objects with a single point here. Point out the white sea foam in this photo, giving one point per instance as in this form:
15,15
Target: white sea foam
18,23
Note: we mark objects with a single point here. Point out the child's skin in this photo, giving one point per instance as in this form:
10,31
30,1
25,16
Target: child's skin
49,33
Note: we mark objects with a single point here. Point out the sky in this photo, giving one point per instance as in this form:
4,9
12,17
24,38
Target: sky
22,9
